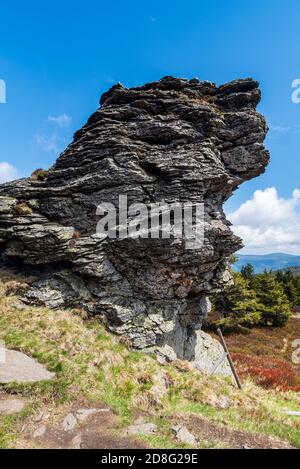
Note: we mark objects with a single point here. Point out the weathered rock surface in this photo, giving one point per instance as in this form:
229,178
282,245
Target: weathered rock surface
175,140
83,414
18,367
183,435
69,422
207,353
142,429
11,406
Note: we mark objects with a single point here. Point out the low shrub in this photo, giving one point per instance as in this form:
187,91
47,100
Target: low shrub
13,288
267,372
39,175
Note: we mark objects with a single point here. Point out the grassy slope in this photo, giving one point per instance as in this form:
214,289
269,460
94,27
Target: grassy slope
91,363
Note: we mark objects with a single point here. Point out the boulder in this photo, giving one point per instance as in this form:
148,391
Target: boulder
183,435
174,141
205,353
18,367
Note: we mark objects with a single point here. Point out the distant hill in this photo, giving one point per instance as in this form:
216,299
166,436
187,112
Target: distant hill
276,261
295,270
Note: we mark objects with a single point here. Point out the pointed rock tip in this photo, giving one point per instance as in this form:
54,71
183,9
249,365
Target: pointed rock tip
110,92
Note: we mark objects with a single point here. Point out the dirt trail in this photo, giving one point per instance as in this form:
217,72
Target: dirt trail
235,439
92,425
84,425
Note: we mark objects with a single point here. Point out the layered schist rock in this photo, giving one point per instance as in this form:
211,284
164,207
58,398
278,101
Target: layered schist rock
175,140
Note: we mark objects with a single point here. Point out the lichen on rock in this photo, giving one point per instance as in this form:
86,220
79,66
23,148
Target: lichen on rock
173,140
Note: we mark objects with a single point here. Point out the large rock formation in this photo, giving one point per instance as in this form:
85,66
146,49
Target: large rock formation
175,140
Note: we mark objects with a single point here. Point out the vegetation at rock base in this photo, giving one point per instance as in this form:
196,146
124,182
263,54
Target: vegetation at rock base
92,364
268,355
252,300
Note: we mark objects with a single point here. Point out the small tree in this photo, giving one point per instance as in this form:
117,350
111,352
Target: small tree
247,272
237,300
256,301
291,285
275,306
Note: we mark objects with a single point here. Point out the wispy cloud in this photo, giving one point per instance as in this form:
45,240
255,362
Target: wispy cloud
50,144
279,128
8,172
110,80
53,138
62,120
282,129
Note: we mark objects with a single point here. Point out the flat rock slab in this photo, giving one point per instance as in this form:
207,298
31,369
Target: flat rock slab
83,414
143,429
18,367
11,406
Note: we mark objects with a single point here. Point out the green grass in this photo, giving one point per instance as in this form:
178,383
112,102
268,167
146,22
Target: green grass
256,421
9,423
90,362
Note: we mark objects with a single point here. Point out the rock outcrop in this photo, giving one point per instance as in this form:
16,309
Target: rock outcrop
174,140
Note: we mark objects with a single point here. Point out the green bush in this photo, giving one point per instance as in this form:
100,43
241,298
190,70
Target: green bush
291,285
253,300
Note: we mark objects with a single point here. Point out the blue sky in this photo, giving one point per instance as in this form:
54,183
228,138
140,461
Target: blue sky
58,57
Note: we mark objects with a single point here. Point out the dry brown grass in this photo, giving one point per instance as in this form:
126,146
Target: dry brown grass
267,342
15,288
22,209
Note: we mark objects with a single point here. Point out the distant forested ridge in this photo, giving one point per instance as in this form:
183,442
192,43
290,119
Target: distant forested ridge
276,261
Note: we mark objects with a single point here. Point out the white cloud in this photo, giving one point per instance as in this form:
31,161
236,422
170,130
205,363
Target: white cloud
296,194
8,172
268,223
264,208
63,120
